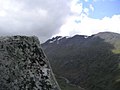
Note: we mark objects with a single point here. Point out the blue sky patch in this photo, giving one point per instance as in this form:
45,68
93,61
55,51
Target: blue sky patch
102,8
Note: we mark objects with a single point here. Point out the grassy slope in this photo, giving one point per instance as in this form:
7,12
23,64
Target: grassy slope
117,47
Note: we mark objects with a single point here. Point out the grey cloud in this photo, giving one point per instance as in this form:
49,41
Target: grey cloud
33,17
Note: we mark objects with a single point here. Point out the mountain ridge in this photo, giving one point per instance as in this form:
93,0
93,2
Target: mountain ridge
100,34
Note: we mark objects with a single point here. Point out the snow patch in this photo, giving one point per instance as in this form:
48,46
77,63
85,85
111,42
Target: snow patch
52,41
56,39
85,36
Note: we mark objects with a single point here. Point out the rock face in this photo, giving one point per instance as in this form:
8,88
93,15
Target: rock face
24,66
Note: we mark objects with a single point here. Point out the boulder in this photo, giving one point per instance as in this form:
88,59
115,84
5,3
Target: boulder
24,66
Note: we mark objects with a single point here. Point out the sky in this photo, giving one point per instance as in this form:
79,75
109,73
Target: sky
48,18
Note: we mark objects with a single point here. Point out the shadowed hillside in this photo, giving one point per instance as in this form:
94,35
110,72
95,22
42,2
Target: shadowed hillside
87,61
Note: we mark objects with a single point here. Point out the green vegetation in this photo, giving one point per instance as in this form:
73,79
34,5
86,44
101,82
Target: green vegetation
117,47
116,51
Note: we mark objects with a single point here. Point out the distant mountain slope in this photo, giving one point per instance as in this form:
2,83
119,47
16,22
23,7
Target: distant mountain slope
112,38
91,62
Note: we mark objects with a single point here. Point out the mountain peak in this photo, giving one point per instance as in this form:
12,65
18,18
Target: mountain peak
108,36
107,33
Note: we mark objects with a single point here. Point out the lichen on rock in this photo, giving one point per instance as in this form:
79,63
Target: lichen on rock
24,66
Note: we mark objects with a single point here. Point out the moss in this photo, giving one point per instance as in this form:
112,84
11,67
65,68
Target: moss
116,51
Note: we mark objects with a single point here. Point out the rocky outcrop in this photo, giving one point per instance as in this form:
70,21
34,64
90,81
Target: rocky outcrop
24,66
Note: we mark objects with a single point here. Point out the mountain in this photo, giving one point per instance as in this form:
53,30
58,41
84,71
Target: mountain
24,66
112,38
92,62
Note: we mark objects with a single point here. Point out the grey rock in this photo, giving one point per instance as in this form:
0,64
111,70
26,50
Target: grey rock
24,66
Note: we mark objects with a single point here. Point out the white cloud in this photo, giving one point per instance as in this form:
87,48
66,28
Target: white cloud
86,11
32,17
2,13
91,7
88,26
86,0
95,0
100,0
76,7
